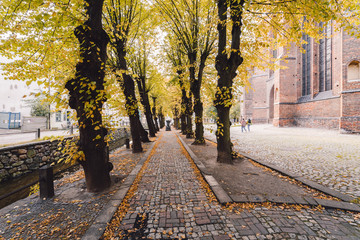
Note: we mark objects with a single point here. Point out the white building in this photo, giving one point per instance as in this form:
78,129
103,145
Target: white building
12,101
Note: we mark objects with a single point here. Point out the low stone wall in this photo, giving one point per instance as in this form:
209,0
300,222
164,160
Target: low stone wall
21,159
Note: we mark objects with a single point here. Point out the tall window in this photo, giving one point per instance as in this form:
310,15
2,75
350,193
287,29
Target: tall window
58,116
325,56
306,66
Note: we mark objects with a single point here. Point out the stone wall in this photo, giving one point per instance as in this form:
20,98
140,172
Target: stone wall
21,159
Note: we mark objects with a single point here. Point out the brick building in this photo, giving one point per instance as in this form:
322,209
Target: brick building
318,88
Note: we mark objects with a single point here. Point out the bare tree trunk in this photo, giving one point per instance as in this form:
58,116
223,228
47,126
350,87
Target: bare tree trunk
87,97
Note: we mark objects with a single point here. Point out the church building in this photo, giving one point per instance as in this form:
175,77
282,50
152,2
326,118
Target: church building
318,88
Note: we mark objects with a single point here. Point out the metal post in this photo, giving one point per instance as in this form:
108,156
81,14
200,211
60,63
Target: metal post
46,182
127,142
71,130
37,133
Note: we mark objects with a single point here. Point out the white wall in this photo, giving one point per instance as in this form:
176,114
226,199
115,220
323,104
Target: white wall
12,92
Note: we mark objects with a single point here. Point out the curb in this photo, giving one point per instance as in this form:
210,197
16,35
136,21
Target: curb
219,192
96,230
331,204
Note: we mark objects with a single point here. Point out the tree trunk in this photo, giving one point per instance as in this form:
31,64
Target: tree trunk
199,127
161,118
198,105
226,68
144,99
183,123
128,86
183,103
143,133
148,116
154,114
189,111
150,122
135,133
224,145
87,97
176,118
132,111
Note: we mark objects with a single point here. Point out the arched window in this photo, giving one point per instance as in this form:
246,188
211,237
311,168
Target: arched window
306,66
325,55
354,71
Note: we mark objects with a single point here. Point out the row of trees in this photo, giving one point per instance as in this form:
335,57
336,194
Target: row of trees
113,48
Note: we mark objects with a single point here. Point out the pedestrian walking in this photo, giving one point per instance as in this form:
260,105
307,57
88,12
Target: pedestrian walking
243,125
248,124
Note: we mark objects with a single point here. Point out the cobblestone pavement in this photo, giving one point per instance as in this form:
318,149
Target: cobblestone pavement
323,156
172,202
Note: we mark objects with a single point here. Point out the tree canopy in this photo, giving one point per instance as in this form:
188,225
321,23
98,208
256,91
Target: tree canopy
185,54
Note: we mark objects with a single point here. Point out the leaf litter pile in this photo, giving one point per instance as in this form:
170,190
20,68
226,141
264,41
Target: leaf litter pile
65,217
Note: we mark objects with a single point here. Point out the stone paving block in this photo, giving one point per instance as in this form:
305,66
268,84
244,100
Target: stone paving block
299,200
256,198
311,201
281,199
221,195
324,189
221,237
338,205
211,180
261,228
239,198
94,232
108,211
119,195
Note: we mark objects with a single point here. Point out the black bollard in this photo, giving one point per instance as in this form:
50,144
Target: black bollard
127,142
46,182
37,133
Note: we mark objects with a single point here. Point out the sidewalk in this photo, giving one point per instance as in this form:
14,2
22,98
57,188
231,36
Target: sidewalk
14,136
168,199
172,201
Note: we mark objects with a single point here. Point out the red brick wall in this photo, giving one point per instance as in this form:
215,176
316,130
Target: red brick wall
318,114
339,110
350,115
350,119
259,101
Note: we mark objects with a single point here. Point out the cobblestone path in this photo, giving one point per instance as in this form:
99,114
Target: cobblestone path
323,156
172,203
